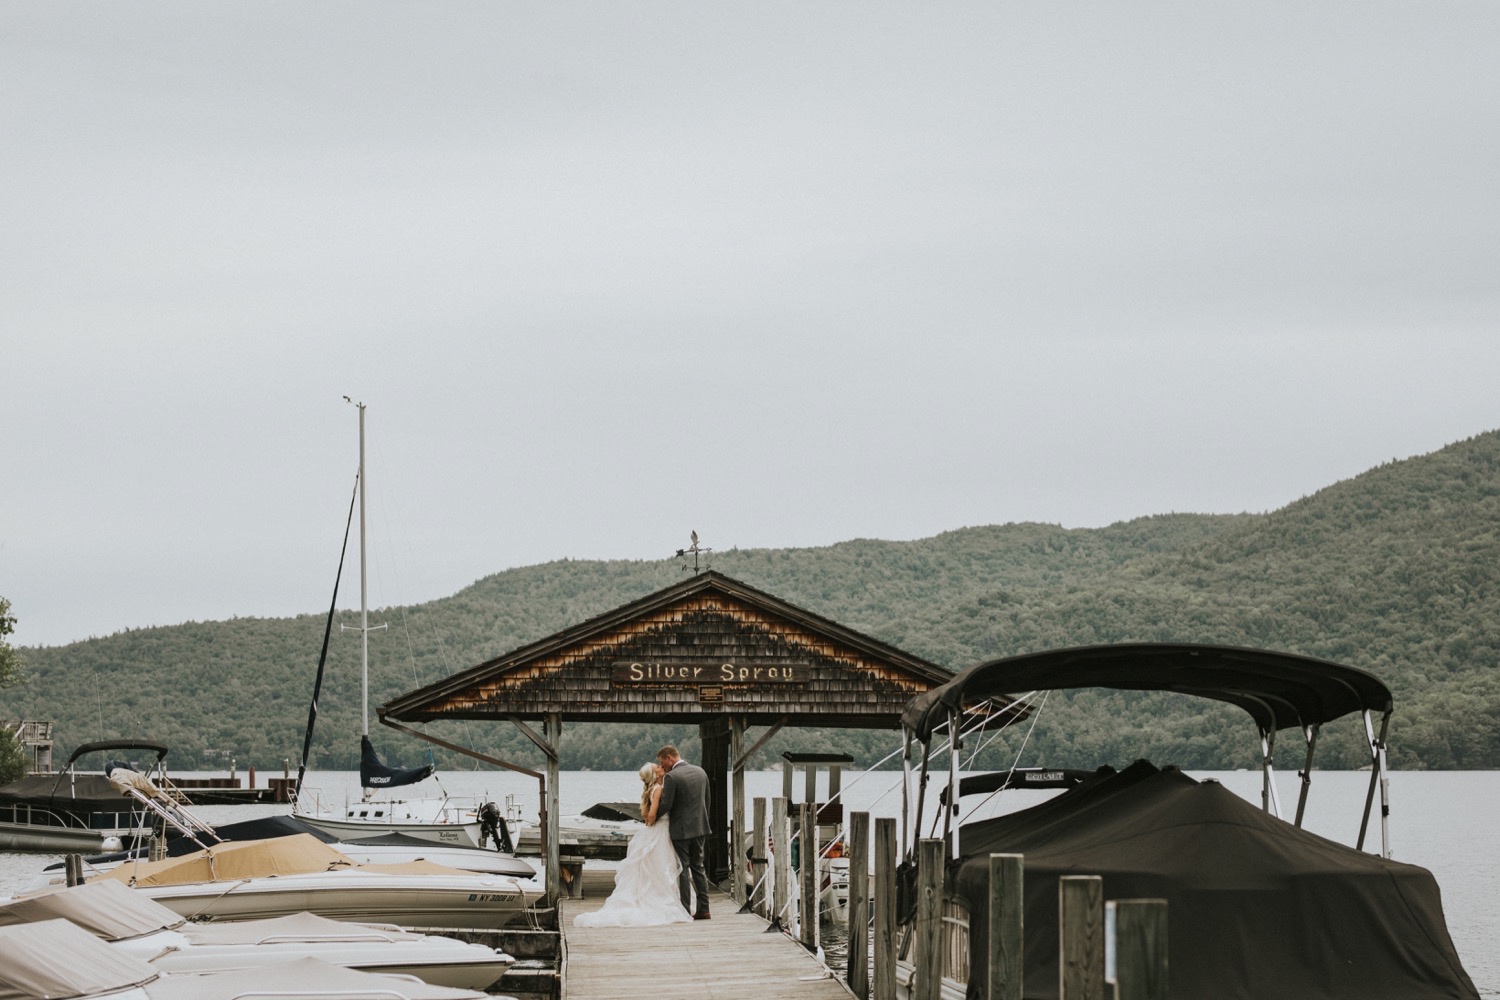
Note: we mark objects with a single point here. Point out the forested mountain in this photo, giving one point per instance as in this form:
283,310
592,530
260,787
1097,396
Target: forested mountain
1394,571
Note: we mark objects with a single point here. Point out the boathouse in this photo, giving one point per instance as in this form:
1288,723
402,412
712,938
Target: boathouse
709,650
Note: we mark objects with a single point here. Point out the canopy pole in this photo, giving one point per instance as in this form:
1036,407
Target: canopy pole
1270,801
922,785
1310,733
905,791
1379,777
950,836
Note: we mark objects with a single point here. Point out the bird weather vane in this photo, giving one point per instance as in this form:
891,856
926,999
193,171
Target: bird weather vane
695,549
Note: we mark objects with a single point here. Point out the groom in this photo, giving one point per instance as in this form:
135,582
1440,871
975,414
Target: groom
684,798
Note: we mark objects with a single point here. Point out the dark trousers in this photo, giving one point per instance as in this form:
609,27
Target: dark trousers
693,875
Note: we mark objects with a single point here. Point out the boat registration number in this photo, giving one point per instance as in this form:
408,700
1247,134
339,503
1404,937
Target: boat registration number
491,897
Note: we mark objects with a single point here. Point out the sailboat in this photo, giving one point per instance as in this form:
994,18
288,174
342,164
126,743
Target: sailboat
439,820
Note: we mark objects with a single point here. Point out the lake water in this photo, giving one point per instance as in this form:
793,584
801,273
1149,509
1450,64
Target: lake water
1444,821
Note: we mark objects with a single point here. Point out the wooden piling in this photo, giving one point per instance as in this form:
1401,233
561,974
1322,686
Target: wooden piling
1140,948
857,840
760,897
928,976
1006,972
885,908
781,834
807,856
1080,937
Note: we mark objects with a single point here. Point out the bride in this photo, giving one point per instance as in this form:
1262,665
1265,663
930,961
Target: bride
646,881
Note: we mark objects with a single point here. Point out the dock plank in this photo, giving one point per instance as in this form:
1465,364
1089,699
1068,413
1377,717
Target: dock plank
727,958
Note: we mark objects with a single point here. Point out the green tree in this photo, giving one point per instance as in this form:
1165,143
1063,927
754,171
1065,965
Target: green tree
12,757
10,660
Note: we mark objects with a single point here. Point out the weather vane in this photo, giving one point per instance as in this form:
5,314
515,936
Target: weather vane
694,548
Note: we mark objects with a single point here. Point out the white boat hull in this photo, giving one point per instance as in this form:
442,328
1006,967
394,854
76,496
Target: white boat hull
449,834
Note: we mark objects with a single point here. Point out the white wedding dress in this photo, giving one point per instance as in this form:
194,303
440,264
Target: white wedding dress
646,892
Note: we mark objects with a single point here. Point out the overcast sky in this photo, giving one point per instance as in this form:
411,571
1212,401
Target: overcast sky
786,274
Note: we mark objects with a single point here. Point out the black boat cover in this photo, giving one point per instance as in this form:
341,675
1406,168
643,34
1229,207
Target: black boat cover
374,774
1256,908
614,812
1279,690
79,793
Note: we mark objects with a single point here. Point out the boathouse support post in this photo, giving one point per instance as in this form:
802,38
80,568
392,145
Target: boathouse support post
737,809
857,840
714,732
759,894
928,976
781,844
1080,937
552,733
808,857
1007,972
1140,933
885,908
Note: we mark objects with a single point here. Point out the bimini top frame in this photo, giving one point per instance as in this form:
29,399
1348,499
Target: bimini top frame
1278,690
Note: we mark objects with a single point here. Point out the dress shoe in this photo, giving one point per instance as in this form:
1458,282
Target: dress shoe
703,916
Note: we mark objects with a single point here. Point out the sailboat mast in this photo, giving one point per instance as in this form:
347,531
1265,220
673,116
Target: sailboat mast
364,591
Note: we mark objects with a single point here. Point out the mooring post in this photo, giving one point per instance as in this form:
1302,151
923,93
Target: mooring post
885,908
807,858
1140,932
857,840
781,843
1007,970
1080,937
758,857
928,975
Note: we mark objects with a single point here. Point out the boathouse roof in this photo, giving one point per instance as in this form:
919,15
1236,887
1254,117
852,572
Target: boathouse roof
707,647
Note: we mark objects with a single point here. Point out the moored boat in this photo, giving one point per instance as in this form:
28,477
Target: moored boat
241,880
1256,906
142,928
73,810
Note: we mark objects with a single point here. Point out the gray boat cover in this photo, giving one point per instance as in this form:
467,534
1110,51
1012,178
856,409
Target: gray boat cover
55,959
1256,908
106,909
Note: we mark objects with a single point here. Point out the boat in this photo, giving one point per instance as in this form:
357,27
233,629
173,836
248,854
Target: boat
389,849
241,880
1256,905
142,928
73,810
440,819
55,958
602,831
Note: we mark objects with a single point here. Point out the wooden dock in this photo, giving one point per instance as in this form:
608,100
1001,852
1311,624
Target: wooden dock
727,958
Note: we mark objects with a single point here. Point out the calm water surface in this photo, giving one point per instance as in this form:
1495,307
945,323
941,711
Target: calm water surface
1444,821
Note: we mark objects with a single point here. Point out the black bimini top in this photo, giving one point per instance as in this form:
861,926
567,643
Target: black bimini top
1280,690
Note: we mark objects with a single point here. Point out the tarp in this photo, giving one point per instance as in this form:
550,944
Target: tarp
55,959
304,978
235,860
76,793
105,909
1256,908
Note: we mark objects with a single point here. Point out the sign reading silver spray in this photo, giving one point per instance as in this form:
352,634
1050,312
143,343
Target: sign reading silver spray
687,674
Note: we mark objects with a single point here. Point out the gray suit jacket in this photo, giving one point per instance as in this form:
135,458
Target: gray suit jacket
684,798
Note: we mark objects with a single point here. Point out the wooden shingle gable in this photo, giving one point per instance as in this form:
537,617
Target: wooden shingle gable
708,646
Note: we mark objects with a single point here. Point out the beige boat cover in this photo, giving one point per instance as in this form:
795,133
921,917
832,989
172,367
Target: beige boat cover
235,860
55,959
105,909
305,979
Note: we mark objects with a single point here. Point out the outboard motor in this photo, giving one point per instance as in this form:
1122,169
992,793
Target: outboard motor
492,825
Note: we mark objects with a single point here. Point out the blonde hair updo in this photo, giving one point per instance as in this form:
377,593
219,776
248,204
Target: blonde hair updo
648,778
